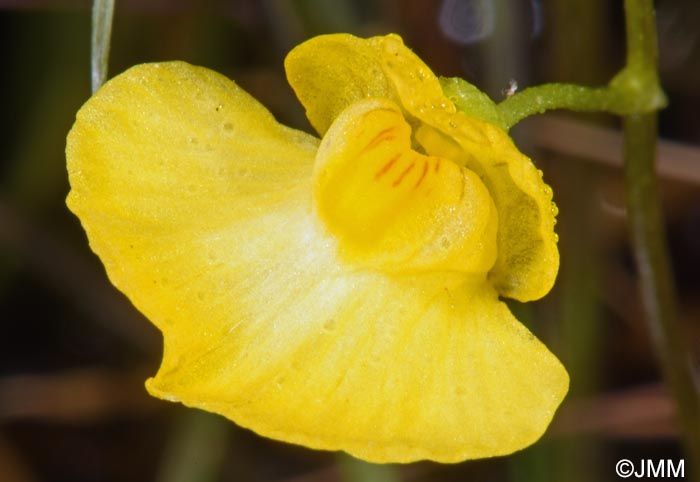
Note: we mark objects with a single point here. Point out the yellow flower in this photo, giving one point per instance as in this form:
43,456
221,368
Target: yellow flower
341,293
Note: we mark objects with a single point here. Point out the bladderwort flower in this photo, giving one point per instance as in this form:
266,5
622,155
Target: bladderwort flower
340,293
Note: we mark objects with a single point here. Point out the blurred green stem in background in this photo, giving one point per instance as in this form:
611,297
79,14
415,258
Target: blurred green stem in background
646,225
355,470
197,449
102,13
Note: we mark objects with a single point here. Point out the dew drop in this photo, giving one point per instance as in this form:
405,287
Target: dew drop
554,209
194,141
556,238
219,107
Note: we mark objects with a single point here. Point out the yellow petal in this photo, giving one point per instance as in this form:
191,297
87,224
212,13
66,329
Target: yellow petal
161,161
389,369
392,208
528,258
216,242
329,73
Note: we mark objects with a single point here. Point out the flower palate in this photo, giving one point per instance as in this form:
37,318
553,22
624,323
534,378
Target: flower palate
341,293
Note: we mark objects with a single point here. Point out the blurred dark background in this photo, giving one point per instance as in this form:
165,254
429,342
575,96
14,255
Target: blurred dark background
74,354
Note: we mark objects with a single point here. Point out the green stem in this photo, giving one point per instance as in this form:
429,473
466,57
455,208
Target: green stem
102,13
641,34
647,232
631,91
635,89
541,98
655,277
